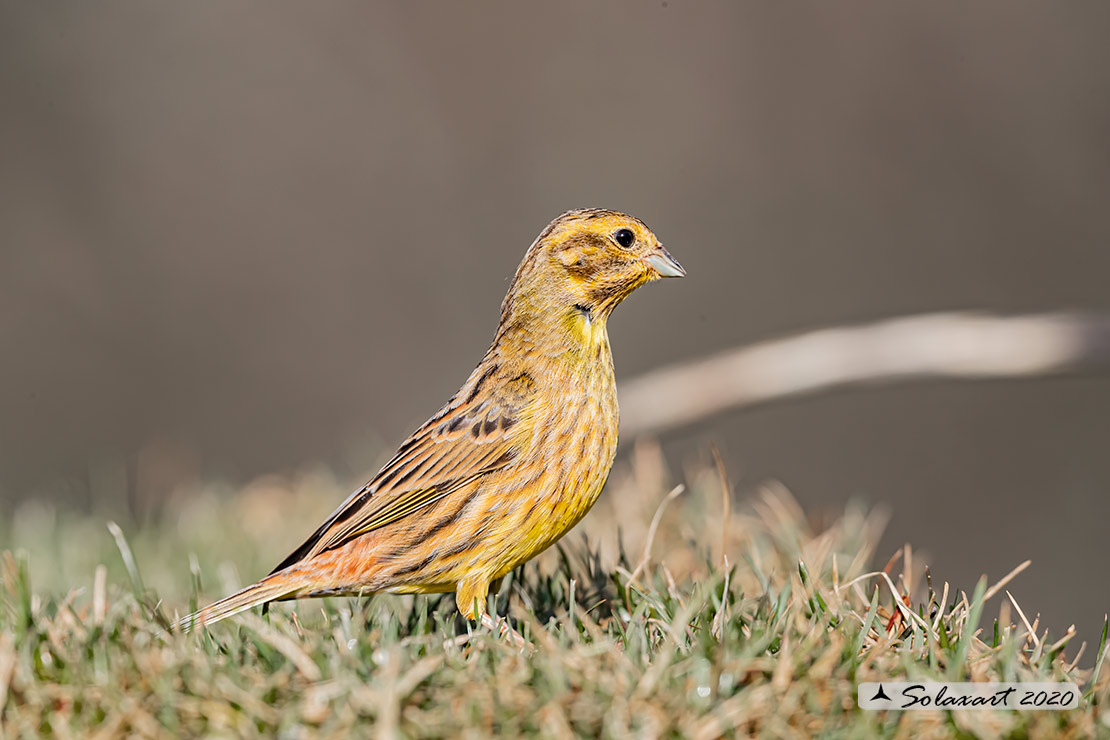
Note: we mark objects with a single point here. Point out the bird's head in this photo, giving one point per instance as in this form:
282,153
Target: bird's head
589,260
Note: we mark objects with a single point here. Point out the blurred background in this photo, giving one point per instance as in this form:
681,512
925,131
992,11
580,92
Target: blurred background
240,239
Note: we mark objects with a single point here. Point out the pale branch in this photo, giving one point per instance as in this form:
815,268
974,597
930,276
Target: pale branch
937,345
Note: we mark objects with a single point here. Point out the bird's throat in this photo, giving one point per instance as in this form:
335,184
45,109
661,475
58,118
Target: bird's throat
586,328
575,331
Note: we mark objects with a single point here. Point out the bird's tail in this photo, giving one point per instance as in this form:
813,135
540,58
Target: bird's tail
272,588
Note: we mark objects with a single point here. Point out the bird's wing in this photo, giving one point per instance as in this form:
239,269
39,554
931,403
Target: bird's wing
464,441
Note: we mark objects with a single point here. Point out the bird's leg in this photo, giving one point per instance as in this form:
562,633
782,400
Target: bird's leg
470,598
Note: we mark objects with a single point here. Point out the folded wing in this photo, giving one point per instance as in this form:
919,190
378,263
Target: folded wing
463,442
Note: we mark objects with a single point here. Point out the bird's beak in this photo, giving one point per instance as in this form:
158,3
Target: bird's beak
664,264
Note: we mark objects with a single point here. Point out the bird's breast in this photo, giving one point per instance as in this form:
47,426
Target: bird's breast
576,439
572,426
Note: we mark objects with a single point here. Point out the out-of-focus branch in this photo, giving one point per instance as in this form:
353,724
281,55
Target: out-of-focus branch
938,345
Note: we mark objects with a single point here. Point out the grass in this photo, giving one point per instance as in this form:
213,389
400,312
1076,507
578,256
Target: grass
708,619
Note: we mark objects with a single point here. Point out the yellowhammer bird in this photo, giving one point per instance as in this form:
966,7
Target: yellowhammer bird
515,458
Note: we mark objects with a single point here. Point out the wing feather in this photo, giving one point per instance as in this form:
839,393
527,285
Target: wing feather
461,443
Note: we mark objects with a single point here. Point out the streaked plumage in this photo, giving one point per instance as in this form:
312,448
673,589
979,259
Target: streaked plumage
513,460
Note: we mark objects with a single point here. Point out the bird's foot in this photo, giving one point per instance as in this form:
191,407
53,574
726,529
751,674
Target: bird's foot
504,630
501,627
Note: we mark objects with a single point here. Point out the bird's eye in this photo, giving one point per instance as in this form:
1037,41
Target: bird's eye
624,237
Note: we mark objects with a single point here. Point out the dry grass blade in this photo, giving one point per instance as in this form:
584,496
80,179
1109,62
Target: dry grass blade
286,645
726,500
1031,631
1006,579
675,493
